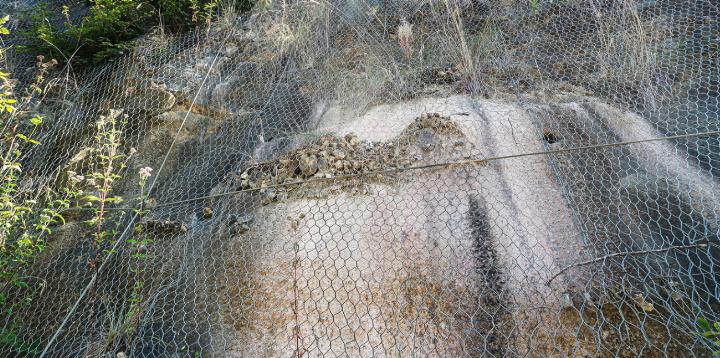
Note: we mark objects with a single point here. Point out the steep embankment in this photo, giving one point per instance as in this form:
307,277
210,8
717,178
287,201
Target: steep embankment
282,223
340,258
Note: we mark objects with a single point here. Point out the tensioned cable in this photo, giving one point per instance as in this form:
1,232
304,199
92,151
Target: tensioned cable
444,164
426,166
150,187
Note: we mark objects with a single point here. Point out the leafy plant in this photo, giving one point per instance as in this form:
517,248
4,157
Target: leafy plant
9,338
711,332
106,162
139,246
102,34
110,26
109,162
26,216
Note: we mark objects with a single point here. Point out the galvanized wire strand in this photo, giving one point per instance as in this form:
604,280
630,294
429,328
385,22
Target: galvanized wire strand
415,167
631,253
437,165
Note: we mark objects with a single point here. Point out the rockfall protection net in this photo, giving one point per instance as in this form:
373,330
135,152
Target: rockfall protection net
392,178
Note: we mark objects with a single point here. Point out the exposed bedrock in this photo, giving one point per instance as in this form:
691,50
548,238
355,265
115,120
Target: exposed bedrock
449,259
636,197
350,240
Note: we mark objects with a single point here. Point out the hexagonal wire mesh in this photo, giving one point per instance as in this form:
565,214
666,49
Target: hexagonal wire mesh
425,178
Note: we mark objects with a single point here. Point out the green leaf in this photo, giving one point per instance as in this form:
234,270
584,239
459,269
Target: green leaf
36,120
62,219
91,198
703,324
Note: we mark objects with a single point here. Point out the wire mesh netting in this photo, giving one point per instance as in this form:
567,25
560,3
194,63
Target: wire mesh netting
377,178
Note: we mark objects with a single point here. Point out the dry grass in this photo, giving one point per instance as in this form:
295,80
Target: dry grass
628,53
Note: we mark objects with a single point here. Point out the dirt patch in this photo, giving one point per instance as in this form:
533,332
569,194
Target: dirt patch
622,329
286,302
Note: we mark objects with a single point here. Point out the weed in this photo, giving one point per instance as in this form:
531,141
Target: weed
25,217
404,34
140,246
711,332
110,26
110,161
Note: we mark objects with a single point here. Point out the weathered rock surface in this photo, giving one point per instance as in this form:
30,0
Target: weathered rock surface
289,225
456,251
410,259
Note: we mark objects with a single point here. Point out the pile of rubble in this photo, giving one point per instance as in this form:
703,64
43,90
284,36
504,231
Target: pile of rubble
442,75
349,161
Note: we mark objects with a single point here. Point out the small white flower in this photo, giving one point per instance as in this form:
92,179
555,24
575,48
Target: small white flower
404,35
145,173
90,181
404,31
133,151
75,178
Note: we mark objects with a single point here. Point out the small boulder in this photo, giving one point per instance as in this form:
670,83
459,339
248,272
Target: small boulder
352,139
339,154
240,224
308,165
207,212
427,140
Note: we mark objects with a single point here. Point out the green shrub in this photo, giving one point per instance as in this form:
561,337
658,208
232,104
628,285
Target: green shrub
103,33
711,332
110,25
26,216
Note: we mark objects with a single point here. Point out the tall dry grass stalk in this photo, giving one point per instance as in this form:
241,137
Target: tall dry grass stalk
468,65
629,53
404,34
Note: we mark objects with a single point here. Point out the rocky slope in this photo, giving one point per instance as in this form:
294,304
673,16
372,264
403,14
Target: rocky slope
285,222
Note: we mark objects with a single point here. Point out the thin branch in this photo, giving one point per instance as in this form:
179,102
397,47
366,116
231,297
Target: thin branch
630,253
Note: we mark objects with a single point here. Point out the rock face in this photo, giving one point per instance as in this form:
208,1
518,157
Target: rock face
430,227
281,223
437,260
423,228
147,101
422,263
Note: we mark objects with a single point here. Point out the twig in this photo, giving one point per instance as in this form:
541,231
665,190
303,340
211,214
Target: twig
630,253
